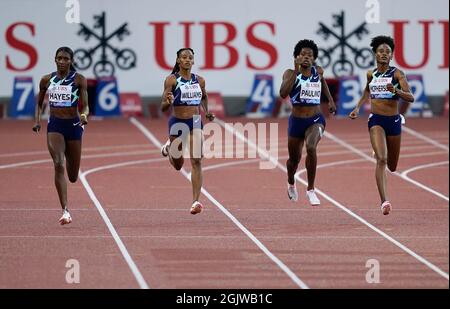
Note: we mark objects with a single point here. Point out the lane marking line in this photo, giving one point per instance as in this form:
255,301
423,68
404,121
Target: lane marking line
131,264
264,153
277,261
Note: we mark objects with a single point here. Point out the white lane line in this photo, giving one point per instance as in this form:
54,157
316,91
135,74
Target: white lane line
93,149
322,154
405,175
134,269
369,158
218,237
117,154
248,161
414,155
25,153
236,209
264,154
424,138
227,164
12,165
277,261
331,164
104,155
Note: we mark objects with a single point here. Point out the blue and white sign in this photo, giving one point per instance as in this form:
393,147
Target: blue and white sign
349,94
107,97
262,99
420,98
22,101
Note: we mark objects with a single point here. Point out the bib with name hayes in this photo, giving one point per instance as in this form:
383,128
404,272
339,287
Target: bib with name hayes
63,93
378,85
187,92
306,90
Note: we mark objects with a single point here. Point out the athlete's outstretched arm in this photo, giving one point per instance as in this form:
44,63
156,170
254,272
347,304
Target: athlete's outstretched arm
204,101
326,91
43,85
167,97
364,98
82,82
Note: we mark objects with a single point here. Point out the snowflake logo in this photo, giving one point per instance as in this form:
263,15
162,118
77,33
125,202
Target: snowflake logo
125,58
363,57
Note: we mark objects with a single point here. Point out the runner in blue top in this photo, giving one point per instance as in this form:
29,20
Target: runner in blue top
186,91
66,90
385,85
304,85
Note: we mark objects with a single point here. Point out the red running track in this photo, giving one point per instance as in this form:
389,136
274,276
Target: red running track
249,236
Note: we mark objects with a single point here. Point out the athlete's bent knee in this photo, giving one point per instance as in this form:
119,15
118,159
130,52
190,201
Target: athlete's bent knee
59,166
310,149
382,160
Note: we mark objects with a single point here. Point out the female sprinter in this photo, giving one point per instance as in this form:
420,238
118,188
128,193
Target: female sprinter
304,85
185,91
66,90
385,85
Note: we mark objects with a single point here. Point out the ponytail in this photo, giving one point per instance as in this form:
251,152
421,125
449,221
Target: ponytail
176,67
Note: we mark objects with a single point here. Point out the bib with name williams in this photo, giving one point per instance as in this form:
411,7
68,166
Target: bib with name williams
187,92
63,93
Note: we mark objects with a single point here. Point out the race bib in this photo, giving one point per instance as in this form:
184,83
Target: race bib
310,92
378,88
191,94
60,96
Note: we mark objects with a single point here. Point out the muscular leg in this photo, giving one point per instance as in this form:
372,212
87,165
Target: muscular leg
73,157
57,146
196,157
178,162
295,146
393,149
313,136
378,141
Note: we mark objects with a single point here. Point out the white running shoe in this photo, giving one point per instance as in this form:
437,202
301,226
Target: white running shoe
386,207
165,148
292,192
66,218
196,208
312,197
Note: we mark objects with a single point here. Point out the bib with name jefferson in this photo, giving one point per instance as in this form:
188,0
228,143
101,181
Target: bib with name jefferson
378,85
63,93
187,92
306,90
